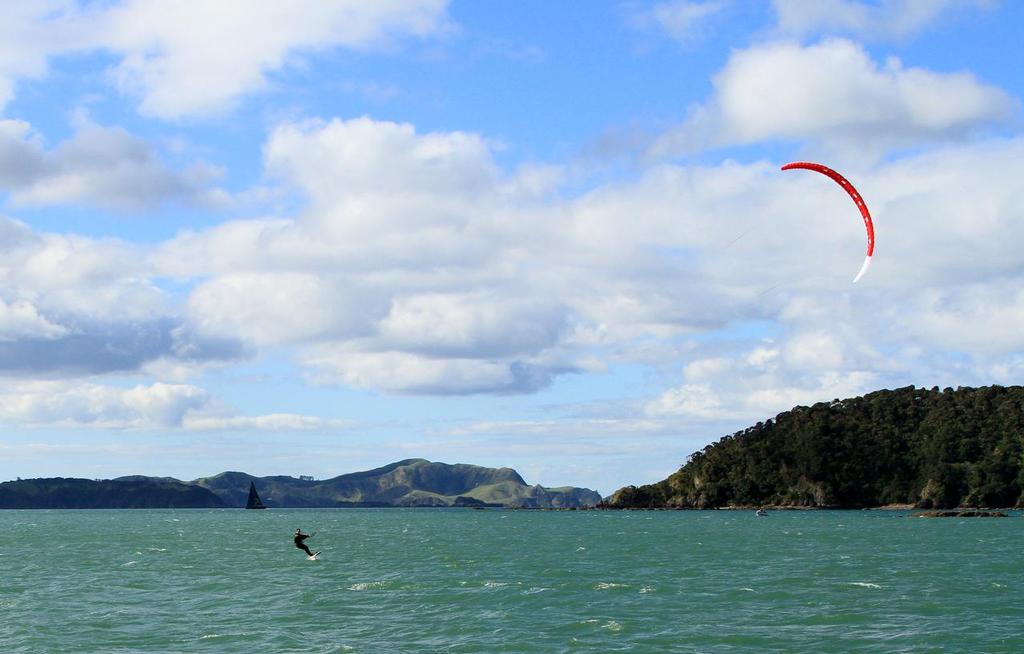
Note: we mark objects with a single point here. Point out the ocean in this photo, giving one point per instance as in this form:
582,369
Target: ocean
459,580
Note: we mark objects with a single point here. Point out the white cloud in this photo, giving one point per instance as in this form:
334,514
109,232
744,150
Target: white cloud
471,324
833,94
401,278
888,19
31,33
682,20
99,166
743,391
396,279
403,372
289,422
278,307
360,158
74,306
690,400
174,53
20,318
154,406
173,56
96,279
93,405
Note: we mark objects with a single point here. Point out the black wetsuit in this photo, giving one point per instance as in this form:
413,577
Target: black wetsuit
299,537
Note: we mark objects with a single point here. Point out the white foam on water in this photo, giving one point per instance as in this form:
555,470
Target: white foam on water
605,585
863,584
533,590
749,590
495,584
648,589
125,565
581,549
612,625
369,585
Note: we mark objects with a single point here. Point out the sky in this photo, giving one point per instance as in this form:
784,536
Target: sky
316,237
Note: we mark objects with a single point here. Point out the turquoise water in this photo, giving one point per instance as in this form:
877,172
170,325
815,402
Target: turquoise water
424,580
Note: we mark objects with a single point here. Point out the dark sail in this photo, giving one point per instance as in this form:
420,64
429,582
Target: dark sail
254,498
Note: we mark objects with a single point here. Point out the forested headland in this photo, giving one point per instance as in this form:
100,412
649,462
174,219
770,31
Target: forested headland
124,493
929,448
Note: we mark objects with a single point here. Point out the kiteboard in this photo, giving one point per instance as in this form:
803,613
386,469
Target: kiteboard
312,557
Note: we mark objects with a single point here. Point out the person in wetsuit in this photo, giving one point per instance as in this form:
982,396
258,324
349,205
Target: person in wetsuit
299,538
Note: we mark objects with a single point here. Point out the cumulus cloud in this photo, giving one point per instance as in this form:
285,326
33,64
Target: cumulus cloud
62,404
20,319
395,279
153,406
832,93
399,278
81,348
97,279
172,55
71,305
760,381
359,158
99,166
404,372
888,19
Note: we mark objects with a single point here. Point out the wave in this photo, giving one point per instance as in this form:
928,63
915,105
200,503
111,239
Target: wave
605,585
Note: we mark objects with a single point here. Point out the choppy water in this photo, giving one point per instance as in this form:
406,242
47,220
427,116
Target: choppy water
396,580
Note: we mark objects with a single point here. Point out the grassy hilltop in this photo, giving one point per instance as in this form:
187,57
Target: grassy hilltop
412,482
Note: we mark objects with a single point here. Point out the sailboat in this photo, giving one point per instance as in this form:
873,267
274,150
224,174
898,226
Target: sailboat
254,501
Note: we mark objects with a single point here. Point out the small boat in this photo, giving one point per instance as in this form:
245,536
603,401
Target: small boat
254,501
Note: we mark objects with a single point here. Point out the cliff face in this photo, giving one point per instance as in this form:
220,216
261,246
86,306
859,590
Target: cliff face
412,482
127,493
930,448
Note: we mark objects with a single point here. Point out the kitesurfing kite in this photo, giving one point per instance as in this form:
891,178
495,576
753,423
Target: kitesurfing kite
848,187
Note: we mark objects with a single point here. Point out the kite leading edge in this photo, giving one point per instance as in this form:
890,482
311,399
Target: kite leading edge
858,200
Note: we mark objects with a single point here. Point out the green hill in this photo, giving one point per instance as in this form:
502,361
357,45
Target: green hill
412,482
929,448
124,493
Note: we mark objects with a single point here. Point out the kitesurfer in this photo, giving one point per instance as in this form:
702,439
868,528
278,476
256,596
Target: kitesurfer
299,538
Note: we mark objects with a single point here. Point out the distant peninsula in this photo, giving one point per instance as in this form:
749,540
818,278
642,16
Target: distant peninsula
929,449
411,483
123,493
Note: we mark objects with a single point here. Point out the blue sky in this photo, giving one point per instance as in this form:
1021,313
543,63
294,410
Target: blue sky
318,237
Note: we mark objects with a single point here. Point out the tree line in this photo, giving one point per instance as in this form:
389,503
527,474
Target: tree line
929,448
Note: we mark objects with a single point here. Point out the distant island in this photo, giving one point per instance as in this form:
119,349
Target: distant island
412,482
928,449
